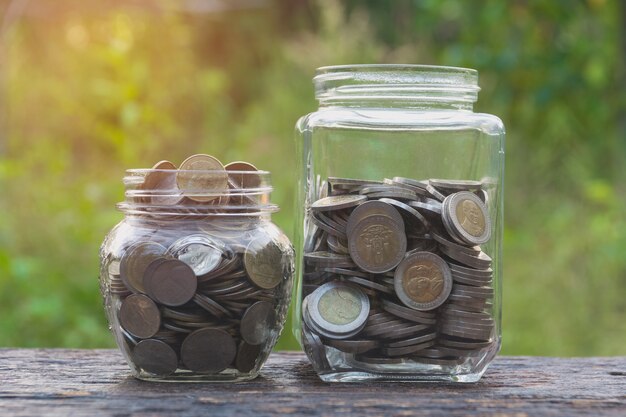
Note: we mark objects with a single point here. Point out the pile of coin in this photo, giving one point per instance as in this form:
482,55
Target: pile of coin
207,296
394,272
201,182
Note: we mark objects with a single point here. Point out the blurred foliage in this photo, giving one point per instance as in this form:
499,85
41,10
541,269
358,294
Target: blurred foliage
93,88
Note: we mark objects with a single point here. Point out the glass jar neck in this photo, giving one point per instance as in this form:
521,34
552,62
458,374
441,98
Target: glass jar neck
397,86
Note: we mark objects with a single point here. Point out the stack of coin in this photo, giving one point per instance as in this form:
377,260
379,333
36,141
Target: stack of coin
206,296
394,271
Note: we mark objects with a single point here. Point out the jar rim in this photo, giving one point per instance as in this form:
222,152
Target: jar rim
196,193
402,83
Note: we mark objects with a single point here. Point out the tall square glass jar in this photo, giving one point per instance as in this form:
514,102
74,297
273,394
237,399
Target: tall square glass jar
400,227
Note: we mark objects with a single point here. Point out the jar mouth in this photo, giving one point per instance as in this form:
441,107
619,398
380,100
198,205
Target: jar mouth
396,83
196,193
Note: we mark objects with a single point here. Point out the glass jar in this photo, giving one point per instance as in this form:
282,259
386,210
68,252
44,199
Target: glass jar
401,229
196,279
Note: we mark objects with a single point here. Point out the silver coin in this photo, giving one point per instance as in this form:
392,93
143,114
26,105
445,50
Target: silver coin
435,193
202,253
456,185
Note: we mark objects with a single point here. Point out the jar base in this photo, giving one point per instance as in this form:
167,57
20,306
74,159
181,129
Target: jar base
198,378
360,376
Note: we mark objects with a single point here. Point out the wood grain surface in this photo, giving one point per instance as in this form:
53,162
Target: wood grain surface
60,382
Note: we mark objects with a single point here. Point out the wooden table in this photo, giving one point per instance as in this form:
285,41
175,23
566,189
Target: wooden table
51,382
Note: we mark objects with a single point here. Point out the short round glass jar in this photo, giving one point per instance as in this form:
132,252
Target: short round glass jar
196,279
401,226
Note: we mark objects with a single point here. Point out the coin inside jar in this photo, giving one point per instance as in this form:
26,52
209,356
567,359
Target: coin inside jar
423,281
202,253
263,262
339,308
377,244
170,282
134,262
468,218
155,357
208,350
139,316
257,323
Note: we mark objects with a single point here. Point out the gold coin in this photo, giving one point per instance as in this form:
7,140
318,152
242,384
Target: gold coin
202,178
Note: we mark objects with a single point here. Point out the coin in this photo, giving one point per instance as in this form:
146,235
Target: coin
407,350
202,253
263,261
353,346
456,185
258,322
435,193
139,316
208,351
328,259
210,305
247,356
170,282
155,357
423,281
429,207
160,182
339,307
377,244
469,218
202,178
135,261
413,217
337,202
371,208
417,340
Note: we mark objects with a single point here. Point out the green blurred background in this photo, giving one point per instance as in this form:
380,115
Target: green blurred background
92,88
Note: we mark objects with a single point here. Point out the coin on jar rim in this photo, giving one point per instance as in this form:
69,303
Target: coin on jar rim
202,178
155,357
161,182
139,316
469,218
337,202
170,282
377,244
423,281
339,307
208,350
263,261
135,261
202,253
257,323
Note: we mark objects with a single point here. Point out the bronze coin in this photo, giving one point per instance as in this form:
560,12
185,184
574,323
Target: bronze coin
377,244
170,282
155,357
247,356
208,350
263,260
160,182
135,261
243,175
139,316
258,322
202,178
